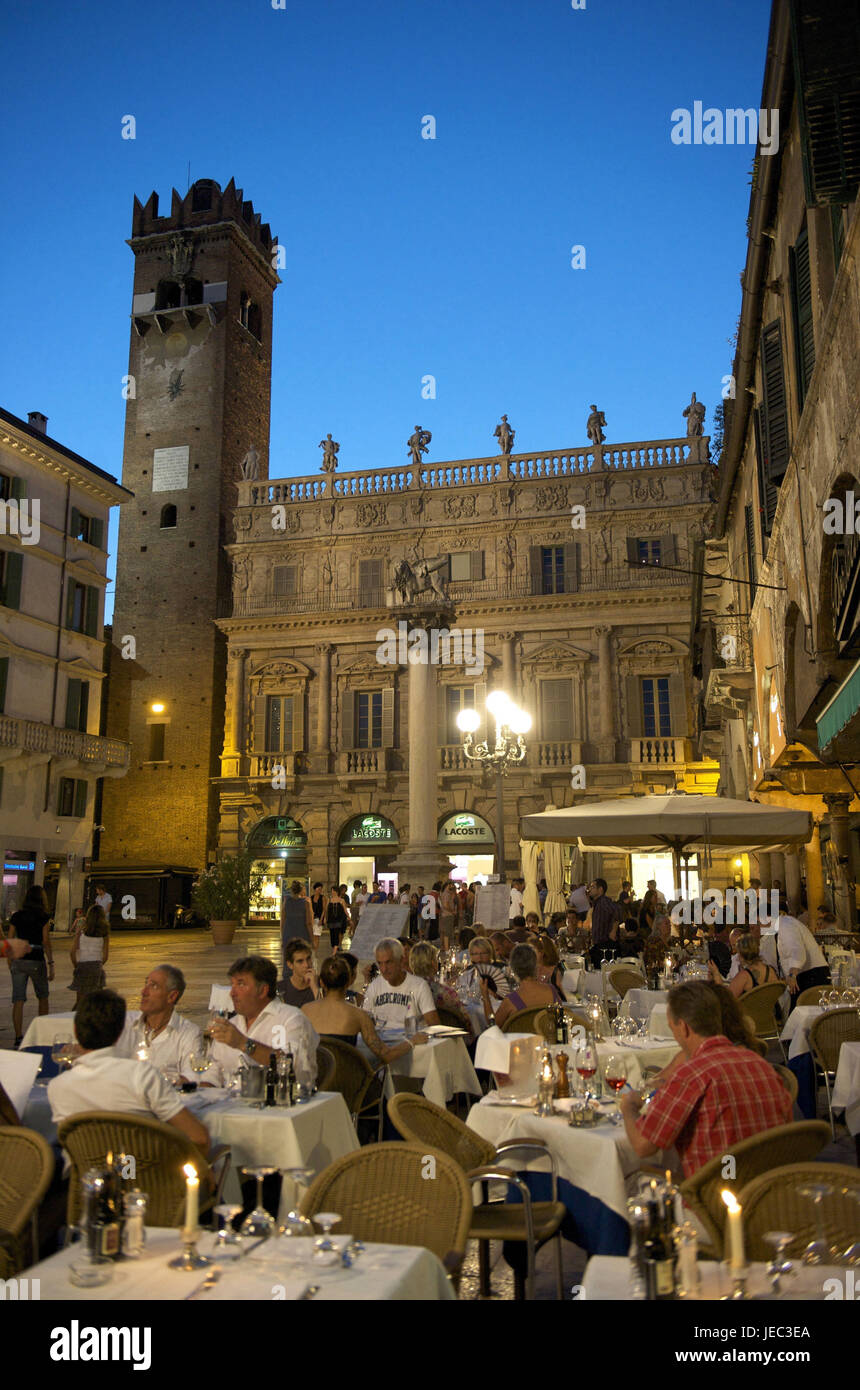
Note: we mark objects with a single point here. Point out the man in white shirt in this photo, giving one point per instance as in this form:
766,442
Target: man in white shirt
802,960
262,1024
395,995
103,899
517,890
101,1078
652,888
156,1031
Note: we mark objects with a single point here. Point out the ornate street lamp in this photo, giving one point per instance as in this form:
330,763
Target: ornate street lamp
509,749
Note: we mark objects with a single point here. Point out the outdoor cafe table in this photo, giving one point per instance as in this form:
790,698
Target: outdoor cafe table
592,1166
638,1003
311,1135
492,1053
608,1278
443,1064
45,1029
846,1091
383,1273
797,1026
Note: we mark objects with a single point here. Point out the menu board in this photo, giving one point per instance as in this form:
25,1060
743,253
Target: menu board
493,906
376,921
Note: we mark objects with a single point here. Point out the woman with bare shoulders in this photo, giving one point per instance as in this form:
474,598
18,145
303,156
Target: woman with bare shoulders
333,1017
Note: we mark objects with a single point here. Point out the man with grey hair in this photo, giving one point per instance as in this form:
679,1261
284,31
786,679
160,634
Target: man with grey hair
395,994
156,1032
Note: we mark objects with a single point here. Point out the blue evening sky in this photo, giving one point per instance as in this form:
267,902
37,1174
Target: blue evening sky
404,256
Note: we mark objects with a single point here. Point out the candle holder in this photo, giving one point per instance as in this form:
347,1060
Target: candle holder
738,1277
190,1258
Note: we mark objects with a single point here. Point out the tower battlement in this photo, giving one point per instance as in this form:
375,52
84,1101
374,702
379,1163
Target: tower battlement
203,204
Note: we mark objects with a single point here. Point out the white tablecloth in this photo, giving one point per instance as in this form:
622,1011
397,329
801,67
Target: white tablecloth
37,1114
639,1003
43,1030
846,1092
596,982
444,1064
493,1053
608,1277
570,981
596,1160
382,1273
797,1026
312,1135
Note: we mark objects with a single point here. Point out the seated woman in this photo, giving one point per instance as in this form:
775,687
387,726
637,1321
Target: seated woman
529,993
424,962
352,996
752,970
550,971
333,1017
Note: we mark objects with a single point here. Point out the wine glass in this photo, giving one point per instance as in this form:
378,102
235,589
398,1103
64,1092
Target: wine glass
851,1256
294,1224
818,1251
586,1062
325,1251
258,1224
615,1074
199,1061
228,1242
780,1240
59,1052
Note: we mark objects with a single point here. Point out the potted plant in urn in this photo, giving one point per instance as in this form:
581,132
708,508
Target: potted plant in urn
223,893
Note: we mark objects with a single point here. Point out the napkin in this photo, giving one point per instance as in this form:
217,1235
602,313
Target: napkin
257,1284
18,1071
220,998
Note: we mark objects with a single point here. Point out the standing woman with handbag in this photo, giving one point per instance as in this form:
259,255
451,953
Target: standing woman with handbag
89,954
32,922
337,917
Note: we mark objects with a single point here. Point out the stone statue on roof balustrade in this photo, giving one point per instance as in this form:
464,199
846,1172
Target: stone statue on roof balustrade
249,468
330,449
694,414
595,425
417,444
505,435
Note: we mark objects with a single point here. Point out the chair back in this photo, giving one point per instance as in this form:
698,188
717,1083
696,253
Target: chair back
353,1074
773,1148
385,1193
772,1202
325,1068
759,1004
159,1151
811,995
449,1018
829,1032
789,1081
622,978
26,1170
419,1121
524,1020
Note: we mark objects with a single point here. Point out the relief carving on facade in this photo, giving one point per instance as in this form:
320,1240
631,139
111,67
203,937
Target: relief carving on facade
371,514
551,498
458,506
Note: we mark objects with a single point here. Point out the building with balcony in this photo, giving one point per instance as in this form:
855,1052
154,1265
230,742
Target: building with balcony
53,573
567,576
777,625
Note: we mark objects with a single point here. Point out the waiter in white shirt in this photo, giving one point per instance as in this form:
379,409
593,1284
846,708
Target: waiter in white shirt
262,1024
156,1031
517,889
801,959
103,899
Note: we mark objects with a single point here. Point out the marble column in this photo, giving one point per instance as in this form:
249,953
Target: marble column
762,859
509,668
837,805
606,739
237,698
816,892
322,740
423,862
792,881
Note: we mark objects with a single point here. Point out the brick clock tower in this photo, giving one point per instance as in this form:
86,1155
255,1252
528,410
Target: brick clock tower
198,394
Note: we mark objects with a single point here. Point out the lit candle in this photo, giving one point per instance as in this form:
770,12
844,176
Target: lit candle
736,1230
192,1203
667,965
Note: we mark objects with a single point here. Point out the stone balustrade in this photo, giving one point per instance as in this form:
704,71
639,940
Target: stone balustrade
657,752
27,736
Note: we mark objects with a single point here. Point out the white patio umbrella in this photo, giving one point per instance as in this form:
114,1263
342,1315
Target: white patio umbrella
530,851
677,822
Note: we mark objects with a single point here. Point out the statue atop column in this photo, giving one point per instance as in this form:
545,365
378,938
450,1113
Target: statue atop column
417,444
695,417
249,468
330,450
505,435
595,425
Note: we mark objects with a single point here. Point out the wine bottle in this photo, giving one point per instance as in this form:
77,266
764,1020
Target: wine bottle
292,1084
658,1257
271,1079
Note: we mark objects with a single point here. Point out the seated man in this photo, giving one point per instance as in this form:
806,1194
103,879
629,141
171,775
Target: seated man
299,987
156,1031
517,931
261,1024
101,1078
396,995
717,1096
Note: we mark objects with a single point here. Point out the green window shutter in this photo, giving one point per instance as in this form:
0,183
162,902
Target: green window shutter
11,595
4,679
767,492
63,796
91,616
80,799
749,536
260,732
347,731
571,567
388,717
678,706
97,532
70,602
633,550
75,523
536,569
18,488
84,706
73,704
774,407
825,42
297,702
634,706
801,304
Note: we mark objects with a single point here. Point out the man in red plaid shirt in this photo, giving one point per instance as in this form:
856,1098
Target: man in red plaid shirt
720,1094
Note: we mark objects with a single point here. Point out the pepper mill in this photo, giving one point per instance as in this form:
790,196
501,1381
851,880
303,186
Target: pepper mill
562,1085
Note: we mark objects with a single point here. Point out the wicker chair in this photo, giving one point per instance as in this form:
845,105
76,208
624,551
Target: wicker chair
762,1152
789,1081
429,1126
26,1169
524,1020
826,1036
623,978
325,1068
759,1005
382,1194
356,1080
450,1019
773,1202
811,995
545,1023
159,1151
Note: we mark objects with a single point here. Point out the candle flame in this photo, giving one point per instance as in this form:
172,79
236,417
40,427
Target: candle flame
190,1172
730,1200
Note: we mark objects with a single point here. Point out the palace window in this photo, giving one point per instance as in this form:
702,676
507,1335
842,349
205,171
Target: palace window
368,719
466,565
82,608
279,724
77,705
72,798
457,698
168,516
649,552
556,701
656,715
87,528
156,742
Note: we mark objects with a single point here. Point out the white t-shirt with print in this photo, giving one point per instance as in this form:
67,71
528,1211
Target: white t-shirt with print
390,1005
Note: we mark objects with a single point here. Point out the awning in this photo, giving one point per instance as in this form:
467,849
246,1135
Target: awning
841,709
